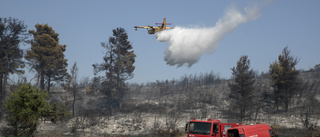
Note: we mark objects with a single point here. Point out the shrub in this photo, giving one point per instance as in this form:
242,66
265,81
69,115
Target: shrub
26,106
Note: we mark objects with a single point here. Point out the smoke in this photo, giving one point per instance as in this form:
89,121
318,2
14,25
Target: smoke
187,45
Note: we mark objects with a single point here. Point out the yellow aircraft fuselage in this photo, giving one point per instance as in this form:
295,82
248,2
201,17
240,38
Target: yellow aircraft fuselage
153,30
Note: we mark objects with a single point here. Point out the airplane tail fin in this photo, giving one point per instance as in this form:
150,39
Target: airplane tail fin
164,23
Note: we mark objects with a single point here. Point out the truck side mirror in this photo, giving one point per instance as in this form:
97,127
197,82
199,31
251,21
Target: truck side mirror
186,129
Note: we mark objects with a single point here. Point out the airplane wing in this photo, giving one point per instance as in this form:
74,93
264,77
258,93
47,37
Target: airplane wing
144,27
162,23
169,27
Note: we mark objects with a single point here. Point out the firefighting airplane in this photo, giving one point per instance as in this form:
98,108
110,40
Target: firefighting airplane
152,30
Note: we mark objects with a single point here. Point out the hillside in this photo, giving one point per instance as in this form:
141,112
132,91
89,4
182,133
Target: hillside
163,108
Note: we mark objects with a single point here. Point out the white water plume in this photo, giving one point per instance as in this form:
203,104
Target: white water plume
187,45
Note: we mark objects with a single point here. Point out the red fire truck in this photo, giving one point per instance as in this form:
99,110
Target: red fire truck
257,130
209,128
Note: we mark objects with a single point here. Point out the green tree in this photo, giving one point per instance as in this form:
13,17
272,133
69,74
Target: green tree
26,106
47,55
284,78
118,65
12,33
242,87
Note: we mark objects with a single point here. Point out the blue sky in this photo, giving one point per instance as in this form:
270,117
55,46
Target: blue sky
83,25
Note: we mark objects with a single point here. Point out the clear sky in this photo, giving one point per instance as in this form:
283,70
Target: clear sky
82,25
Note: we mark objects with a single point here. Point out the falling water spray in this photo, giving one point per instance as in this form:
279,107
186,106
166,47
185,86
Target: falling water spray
187,45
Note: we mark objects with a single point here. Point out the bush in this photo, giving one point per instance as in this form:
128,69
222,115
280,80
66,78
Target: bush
26,106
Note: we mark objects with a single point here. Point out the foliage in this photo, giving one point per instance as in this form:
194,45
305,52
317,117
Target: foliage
46,55
118,65
284,78
242,89
26,106
119,58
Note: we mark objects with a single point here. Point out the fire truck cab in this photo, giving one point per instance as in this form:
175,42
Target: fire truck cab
209,128
257,130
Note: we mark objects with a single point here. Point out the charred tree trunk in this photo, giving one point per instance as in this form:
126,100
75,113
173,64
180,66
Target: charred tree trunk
42,80
74,100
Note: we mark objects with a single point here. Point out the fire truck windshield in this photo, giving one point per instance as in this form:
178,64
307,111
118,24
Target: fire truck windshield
200,128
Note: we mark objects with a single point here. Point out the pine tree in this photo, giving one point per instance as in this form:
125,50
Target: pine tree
13,32
242,88
285,78
46,55
118,65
